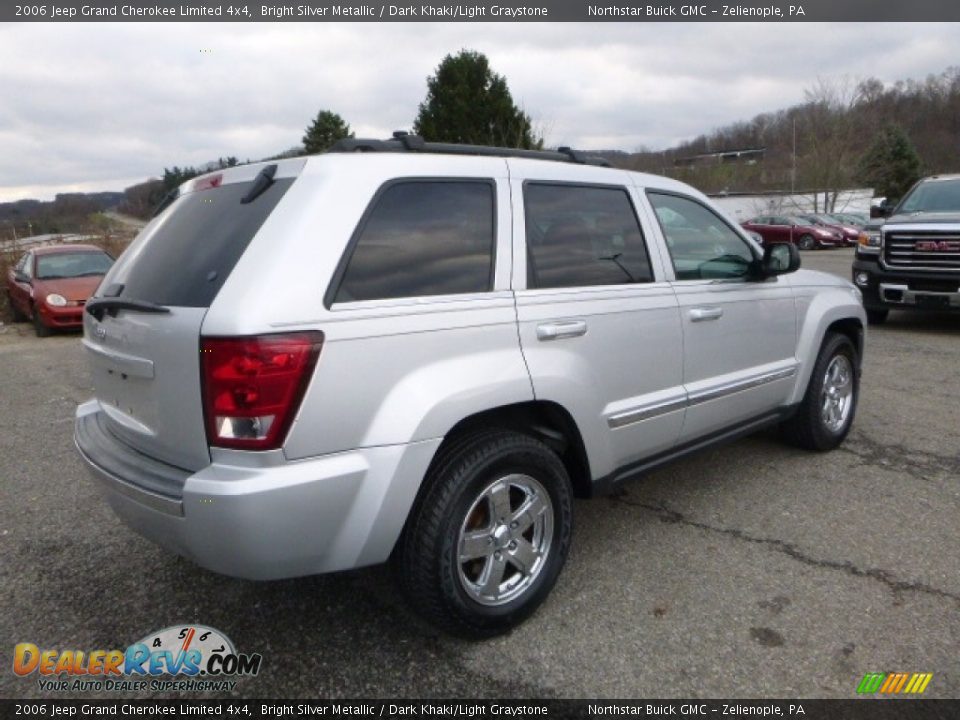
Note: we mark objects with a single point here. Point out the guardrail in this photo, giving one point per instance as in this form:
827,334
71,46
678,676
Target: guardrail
9,245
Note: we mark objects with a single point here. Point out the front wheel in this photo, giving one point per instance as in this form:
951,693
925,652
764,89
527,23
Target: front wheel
486,542
826,413
38,326
807,242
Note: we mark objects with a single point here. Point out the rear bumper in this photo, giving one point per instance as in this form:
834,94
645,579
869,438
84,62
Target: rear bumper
257,516
884,289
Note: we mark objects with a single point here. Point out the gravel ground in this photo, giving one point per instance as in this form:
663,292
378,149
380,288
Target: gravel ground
754,570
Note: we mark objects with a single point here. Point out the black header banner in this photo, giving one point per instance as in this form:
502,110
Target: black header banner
500,11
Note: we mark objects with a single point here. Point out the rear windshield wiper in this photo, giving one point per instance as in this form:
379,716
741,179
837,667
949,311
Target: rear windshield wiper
261,182
110,305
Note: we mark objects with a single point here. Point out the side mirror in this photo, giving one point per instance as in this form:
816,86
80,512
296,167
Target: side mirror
883,210
21,278
779,259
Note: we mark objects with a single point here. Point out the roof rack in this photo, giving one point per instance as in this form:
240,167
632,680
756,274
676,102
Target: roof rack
405,142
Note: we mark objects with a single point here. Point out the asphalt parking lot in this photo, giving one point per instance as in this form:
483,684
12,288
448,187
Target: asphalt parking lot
754,570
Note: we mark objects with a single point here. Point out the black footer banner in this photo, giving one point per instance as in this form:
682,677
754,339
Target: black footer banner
855,709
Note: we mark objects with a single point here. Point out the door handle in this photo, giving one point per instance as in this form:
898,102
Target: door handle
562,329
705,313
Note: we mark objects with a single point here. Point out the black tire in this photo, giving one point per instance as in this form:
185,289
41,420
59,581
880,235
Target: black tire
807,242
38,326
877,316
427,561
17,315
809,428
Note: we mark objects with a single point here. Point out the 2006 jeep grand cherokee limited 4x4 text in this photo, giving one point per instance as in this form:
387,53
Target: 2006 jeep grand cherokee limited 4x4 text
418,352
911,260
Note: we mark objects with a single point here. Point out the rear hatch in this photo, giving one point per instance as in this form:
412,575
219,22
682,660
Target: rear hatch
142,327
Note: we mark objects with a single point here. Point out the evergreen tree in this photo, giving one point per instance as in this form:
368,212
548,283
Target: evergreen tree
468,103
176,176
324,131
891,164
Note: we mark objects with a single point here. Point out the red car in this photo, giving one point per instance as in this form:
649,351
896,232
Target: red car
783,228
50,285
850,233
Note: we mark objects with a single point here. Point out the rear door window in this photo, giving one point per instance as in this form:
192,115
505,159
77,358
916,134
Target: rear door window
421,238
195,244
581,236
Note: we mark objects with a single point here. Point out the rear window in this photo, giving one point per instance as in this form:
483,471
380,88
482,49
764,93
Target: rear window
195,244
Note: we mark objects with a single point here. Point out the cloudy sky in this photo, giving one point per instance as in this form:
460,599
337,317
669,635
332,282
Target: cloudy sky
103,106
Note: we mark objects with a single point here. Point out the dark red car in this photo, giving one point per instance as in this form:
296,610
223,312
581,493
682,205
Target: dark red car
803,233
50,285
850,233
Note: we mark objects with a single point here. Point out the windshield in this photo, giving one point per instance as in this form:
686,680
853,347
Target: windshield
72,264
933,196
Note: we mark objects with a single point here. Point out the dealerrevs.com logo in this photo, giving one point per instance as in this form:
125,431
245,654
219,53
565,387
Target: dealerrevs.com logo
894,683
199,658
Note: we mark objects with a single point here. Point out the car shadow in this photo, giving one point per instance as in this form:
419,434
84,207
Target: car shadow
903,321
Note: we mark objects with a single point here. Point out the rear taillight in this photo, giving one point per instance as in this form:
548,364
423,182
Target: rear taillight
253,386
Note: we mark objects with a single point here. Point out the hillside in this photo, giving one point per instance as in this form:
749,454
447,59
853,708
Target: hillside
832,130
817,145
67,212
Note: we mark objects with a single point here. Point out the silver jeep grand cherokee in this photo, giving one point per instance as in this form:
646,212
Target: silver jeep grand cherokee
421,352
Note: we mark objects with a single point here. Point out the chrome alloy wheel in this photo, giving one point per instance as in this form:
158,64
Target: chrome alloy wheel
836,398
504,539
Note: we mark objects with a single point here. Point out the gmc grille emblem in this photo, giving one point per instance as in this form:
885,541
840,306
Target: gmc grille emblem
938,245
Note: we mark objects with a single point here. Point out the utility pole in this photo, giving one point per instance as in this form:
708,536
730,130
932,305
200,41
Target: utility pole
793,168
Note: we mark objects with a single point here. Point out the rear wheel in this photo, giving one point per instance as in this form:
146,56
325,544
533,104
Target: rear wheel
38,326
484,546
826,413
878,316
807,242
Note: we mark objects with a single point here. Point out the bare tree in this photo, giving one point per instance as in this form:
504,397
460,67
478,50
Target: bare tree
827,138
